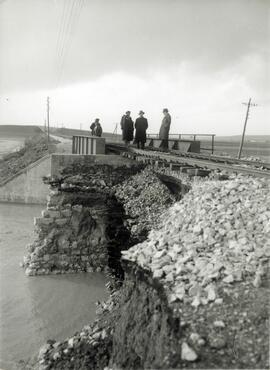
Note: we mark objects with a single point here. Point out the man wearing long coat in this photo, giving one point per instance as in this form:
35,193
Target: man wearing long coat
141,125
127,128
164,129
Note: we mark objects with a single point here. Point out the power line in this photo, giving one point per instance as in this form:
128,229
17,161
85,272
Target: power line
62,34
74,22
48,121
68,24
65,36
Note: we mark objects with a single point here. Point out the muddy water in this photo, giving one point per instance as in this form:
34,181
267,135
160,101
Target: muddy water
35,309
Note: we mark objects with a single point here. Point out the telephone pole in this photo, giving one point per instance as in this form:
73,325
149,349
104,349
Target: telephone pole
48,120
249,104
115,129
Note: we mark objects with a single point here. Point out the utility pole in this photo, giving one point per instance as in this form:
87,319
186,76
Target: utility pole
115,129
48,120
249,104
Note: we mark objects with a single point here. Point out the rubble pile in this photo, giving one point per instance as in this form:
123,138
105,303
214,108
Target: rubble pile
252,158
102,176
188,180
88,349
144,198
219,232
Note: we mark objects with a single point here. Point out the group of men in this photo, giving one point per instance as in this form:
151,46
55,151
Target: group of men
96,129
140,126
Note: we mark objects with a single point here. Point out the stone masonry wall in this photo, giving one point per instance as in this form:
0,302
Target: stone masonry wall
71,238
82,229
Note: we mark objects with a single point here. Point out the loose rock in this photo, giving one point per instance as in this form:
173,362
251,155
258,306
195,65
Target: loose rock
187,353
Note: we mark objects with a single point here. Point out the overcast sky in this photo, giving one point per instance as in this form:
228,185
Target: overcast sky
98,58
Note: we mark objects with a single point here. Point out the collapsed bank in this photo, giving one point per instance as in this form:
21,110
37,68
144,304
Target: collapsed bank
188,277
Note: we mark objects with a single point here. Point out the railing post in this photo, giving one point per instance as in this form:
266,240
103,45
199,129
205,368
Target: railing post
73,144
213,141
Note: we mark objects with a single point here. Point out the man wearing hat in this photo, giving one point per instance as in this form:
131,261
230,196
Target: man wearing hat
93,126
141,125
98,129
127,128
164,129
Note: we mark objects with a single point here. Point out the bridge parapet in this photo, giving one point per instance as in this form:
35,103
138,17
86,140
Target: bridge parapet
88,145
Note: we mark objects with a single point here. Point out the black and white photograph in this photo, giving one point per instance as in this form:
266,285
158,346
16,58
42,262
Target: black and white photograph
134,184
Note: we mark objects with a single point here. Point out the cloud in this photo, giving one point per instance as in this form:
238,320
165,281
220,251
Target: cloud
135,37
200,59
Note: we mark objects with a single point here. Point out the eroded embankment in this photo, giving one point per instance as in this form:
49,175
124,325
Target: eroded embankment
94,212
195,292
211,255
150,332
81,229
139,329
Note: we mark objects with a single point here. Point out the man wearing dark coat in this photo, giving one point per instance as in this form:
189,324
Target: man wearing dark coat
93,126
127,128
164,129
141,125
98,129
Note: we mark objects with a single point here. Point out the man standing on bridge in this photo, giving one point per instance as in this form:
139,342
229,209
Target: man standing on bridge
93,126
98,129
164,129
127,128
141,126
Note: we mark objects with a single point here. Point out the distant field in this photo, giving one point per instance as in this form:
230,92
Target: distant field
18,131
249,138
12,137
254,149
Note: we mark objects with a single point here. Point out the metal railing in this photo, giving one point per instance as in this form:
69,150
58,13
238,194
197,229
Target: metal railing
189,137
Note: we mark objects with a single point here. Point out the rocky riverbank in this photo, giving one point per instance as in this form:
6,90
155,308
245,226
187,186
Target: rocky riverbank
195,293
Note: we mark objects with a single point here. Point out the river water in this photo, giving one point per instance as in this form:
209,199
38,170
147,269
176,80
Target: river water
35,309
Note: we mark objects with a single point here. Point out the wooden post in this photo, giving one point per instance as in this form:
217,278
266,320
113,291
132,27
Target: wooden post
48,121
213,141
244,129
